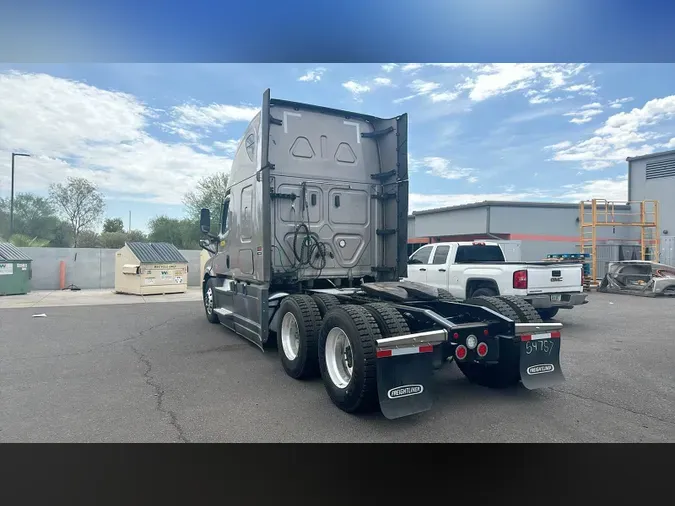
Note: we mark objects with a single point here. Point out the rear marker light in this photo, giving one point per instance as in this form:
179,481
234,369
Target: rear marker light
409,350
383,353
461,352
455,335
486,332
426,349
471,341
482,350
555,334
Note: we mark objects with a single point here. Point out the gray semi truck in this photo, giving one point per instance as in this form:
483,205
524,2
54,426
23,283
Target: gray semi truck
310,253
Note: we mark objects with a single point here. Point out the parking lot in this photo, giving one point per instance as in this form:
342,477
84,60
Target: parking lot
161,373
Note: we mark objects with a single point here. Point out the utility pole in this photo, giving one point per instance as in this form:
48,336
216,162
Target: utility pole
129,227
11,201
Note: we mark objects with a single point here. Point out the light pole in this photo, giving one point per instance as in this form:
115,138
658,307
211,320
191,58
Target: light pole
11,201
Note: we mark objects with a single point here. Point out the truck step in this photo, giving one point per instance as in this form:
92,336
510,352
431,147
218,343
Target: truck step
220,311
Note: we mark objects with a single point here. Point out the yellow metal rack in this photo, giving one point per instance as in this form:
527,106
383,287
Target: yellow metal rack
642,215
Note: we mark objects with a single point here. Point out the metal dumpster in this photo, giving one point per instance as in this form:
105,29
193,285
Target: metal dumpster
15,270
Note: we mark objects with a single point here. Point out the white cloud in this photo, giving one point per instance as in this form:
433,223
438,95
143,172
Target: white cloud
211,116
622,135
356,89
610,189
74,129
585,113
382,81
423,87
583,89
444,96
230,146
411,67
312,76
440,167
618,103
388,67
421,201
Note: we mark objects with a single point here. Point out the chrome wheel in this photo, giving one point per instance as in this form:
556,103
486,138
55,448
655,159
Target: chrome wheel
339,358
208,301
290,336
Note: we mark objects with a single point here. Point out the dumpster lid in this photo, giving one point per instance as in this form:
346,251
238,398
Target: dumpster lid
156,252
10,253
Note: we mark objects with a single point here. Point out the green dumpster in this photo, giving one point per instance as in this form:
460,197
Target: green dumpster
15,270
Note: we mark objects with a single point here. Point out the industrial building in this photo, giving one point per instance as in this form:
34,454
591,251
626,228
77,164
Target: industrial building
614,230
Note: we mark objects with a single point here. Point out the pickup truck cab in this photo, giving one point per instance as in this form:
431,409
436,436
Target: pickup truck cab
472,269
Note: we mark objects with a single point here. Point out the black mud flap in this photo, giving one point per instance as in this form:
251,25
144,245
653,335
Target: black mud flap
540,361
403,384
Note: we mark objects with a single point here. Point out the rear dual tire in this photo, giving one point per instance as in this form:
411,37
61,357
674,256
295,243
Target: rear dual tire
506,373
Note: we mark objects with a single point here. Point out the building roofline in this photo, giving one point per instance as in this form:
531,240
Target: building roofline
509,203
651,155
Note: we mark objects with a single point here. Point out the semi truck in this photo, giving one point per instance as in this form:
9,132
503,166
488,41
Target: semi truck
310,254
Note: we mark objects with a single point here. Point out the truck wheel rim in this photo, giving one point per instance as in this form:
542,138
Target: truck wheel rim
290,336
339,358
208,301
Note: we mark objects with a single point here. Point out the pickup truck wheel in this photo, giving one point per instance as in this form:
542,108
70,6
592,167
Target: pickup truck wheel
347,358
325,302
484,292
298,336
209,301
390,322
524,309
548,313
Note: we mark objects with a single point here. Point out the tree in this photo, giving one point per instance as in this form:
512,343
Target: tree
80,202
88,239
34,217
183,234
136,236
113,225
209,193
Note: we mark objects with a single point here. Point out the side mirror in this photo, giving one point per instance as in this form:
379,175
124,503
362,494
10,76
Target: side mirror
205,221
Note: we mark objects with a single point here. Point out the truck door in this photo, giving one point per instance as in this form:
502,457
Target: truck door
437,272
418,264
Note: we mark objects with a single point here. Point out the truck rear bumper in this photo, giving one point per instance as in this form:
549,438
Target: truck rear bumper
567,300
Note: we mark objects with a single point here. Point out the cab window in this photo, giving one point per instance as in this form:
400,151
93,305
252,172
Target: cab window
421,256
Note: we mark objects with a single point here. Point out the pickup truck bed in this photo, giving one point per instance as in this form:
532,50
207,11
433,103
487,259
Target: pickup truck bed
469,270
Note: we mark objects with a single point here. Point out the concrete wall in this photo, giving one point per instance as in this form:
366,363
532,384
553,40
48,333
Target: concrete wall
87,267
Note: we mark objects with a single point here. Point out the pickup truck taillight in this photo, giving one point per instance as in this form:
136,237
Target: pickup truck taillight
520,280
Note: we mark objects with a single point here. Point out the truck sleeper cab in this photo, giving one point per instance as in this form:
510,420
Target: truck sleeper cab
309,253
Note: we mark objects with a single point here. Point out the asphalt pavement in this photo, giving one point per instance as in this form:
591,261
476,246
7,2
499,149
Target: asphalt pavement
162,373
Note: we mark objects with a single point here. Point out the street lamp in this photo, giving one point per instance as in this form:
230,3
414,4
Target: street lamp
11,202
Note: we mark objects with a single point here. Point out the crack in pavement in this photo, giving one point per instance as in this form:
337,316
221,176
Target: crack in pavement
579,396
159,392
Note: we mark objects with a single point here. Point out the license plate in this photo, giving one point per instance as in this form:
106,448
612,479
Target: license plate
556,297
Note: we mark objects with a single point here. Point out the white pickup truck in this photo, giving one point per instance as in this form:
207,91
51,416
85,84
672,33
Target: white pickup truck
472,269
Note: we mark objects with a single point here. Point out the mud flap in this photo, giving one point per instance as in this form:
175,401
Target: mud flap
403,383
540,360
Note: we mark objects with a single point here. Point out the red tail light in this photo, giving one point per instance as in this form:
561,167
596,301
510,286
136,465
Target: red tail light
520,280
460,352
482,350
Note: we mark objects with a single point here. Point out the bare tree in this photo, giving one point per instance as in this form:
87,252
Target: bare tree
80,202
209,193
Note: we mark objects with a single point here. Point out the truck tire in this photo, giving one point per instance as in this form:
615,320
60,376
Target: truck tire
525,310
506,373
548,313
347,358
445,295
209,301
390,322
298,336
325,302
484,292
495,304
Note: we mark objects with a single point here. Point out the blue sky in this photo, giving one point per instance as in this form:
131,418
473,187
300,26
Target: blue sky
147,132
